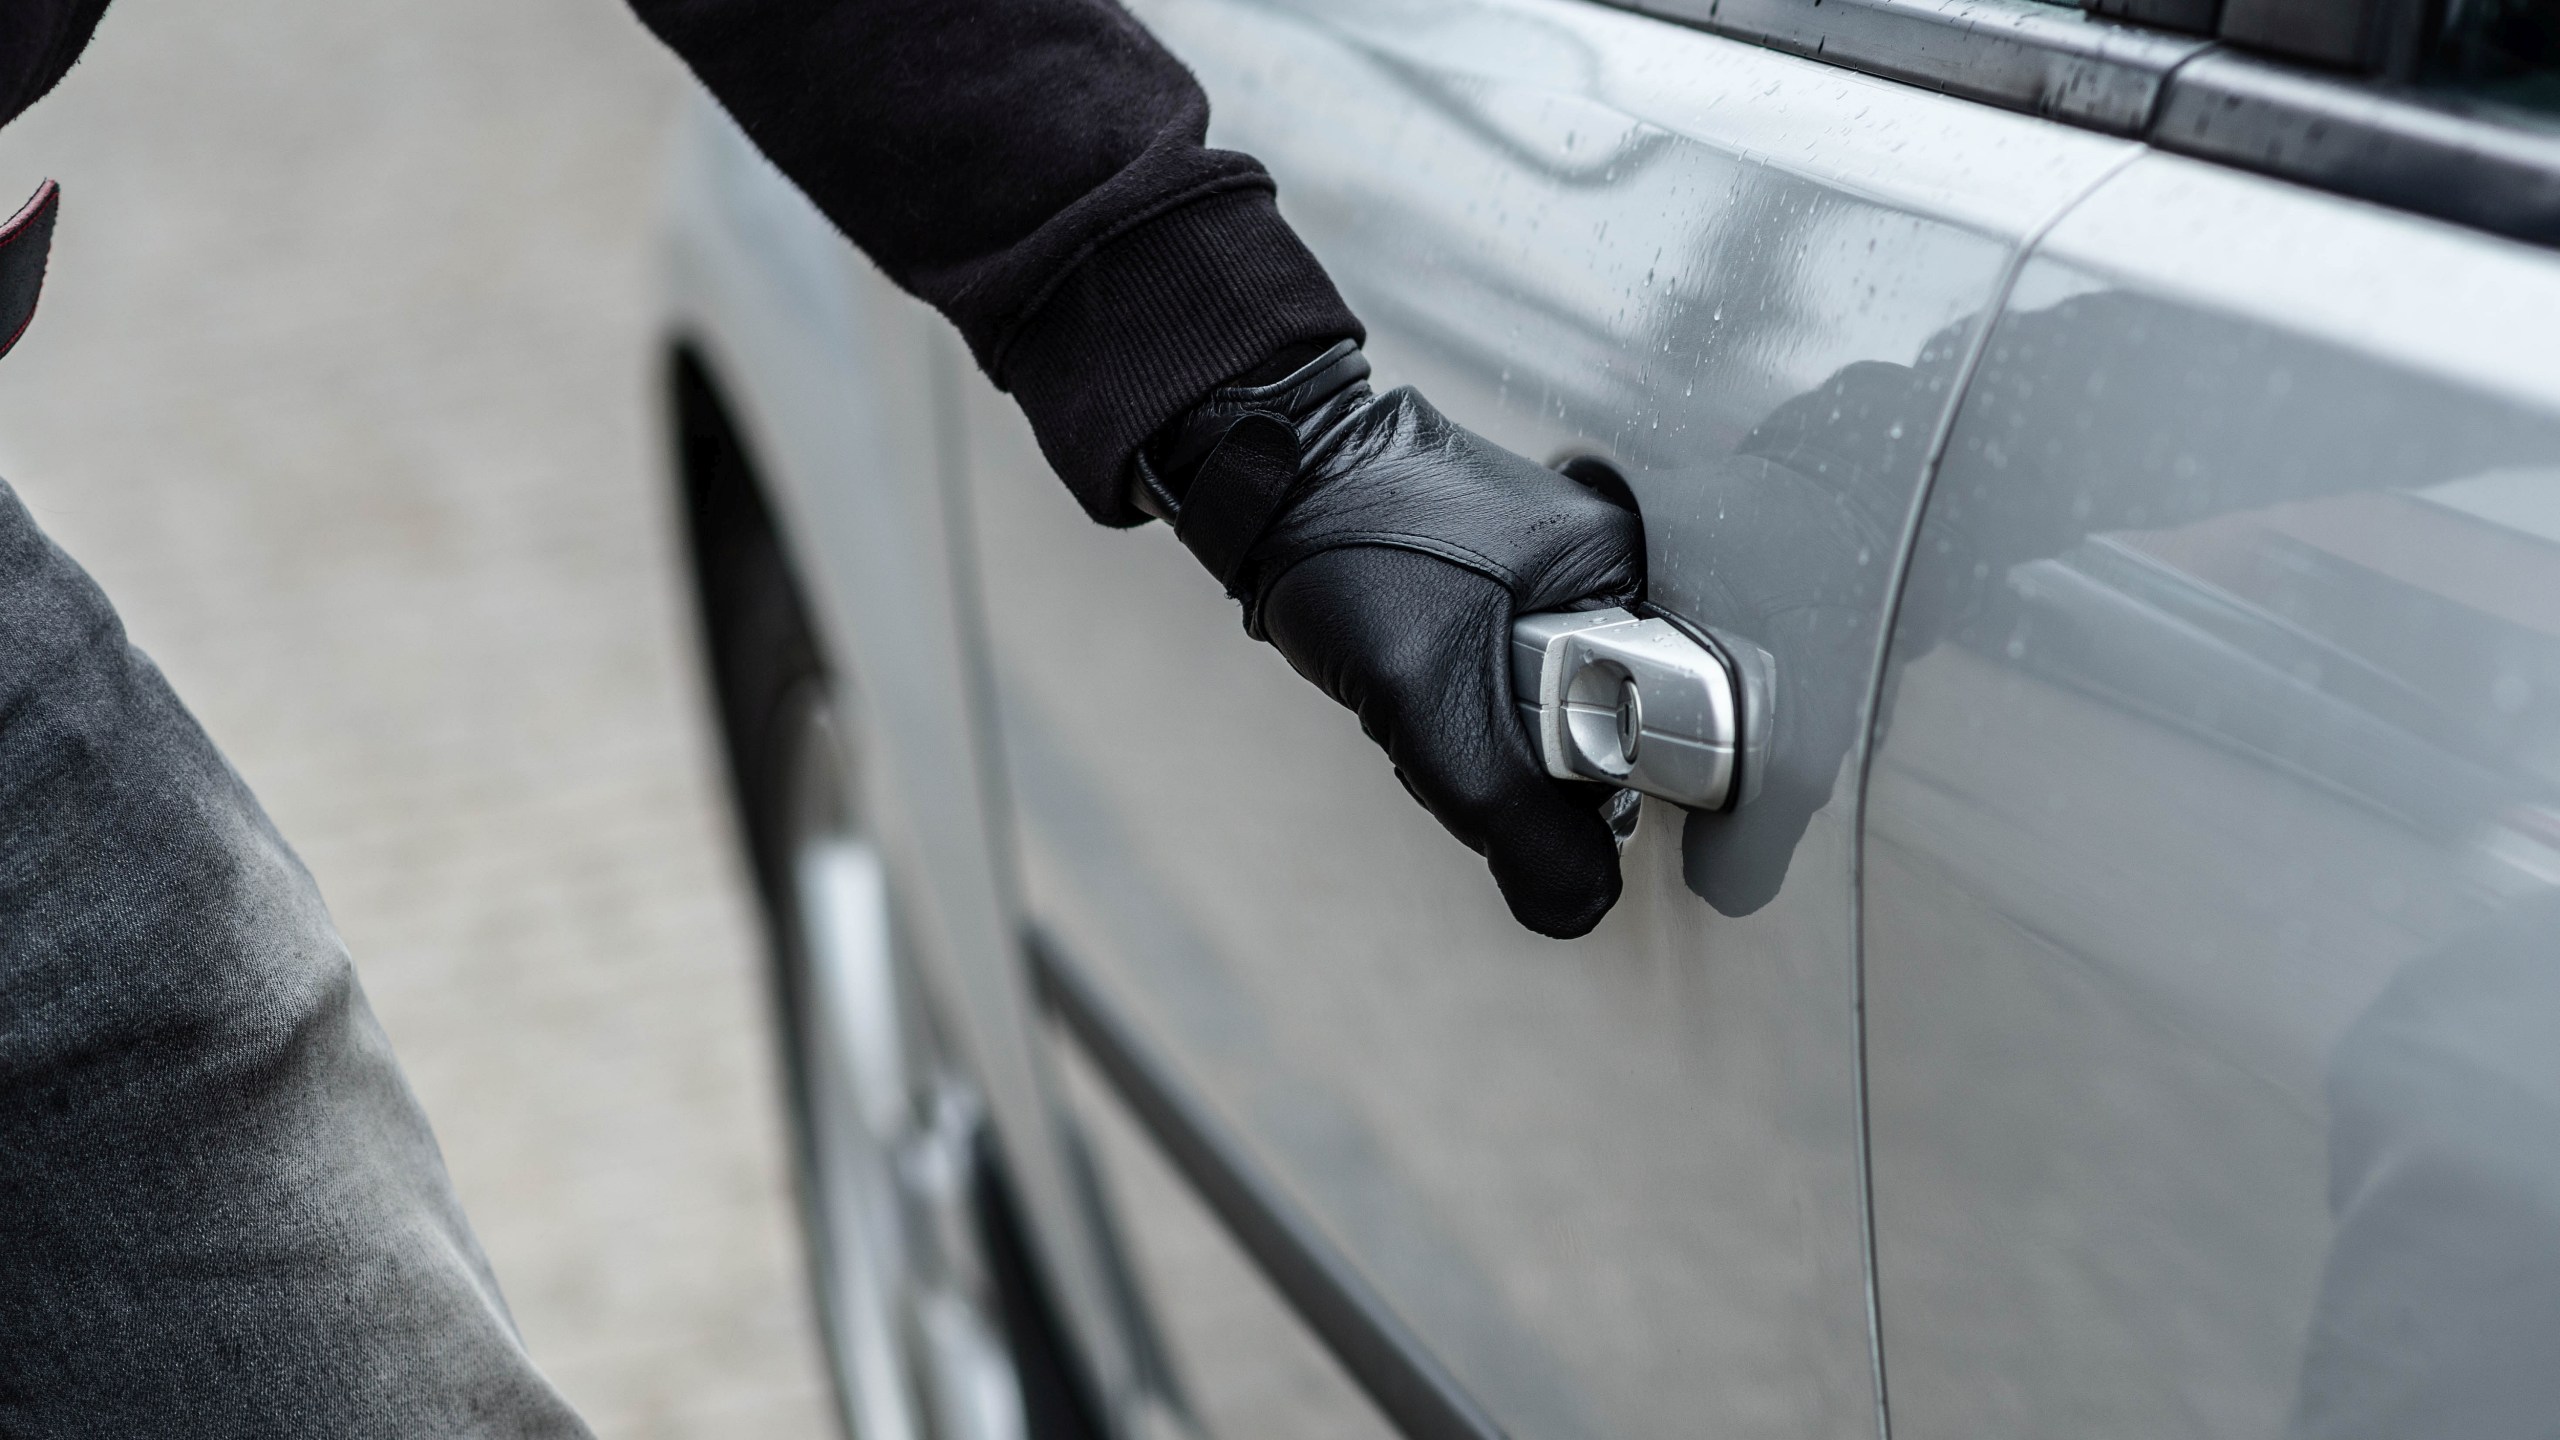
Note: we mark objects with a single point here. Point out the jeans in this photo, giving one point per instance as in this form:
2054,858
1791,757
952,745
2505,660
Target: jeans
221,1210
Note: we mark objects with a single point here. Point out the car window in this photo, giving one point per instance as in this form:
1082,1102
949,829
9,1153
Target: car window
2506,52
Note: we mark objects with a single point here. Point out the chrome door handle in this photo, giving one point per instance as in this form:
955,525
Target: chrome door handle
1631,702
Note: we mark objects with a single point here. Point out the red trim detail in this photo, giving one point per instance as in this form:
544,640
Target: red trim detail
33,216
44,199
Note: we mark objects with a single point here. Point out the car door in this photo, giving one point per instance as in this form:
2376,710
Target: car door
2209,849
1613,1187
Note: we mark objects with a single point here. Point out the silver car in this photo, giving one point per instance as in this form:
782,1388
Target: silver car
2114,459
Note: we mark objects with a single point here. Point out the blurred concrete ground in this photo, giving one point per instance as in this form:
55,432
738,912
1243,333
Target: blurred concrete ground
341,388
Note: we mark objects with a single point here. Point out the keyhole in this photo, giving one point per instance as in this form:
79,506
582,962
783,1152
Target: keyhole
1630,718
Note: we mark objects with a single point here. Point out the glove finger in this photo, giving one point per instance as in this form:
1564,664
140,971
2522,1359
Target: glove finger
1407,782
1594,796
1401,474
1418,648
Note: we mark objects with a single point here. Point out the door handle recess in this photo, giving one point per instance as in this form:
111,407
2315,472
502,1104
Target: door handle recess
1631,702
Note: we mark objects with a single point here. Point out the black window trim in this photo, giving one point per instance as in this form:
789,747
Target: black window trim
2180,93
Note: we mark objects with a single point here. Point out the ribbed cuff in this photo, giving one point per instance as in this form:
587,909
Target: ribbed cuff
1152,322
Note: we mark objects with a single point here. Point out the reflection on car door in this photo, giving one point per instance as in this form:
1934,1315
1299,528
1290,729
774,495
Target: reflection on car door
2210,852
1614,1186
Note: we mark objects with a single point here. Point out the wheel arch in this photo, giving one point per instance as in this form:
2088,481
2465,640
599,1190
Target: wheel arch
836,397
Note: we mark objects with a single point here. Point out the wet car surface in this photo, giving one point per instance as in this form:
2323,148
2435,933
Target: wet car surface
2105,996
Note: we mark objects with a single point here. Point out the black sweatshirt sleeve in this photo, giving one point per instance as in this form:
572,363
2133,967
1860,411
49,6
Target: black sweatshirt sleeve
38,41
1036,170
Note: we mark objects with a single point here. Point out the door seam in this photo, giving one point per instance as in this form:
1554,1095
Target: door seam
1939,438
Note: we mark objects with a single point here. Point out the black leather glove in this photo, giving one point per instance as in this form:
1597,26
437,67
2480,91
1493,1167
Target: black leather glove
1385,550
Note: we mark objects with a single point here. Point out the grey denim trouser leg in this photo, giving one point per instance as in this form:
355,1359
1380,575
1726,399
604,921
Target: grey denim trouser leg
221,1212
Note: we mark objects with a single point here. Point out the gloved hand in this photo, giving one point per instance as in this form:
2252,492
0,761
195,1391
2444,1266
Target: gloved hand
1385,551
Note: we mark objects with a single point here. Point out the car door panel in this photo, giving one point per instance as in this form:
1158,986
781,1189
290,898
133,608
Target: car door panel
845,389
1613,1186
2207,913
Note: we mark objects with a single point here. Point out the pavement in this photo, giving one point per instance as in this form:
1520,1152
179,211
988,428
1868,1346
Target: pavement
342,387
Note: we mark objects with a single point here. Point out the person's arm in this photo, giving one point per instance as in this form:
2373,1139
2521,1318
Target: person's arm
1036,170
